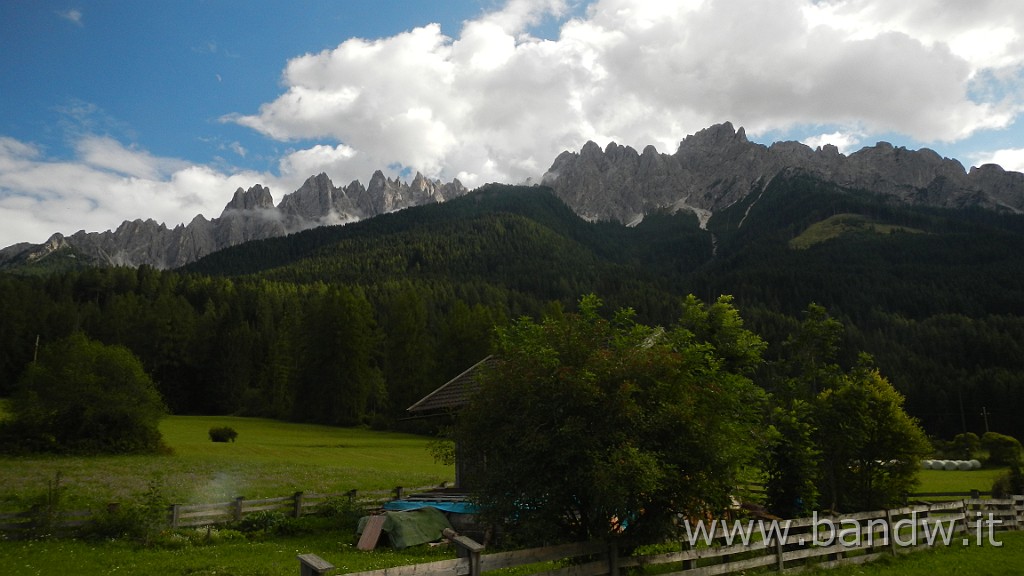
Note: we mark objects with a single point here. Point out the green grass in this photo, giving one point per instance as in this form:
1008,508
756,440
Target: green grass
958,481
955,559
841,224
268,459
275,557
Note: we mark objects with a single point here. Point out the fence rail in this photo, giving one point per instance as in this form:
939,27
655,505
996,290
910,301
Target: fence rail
15,524
816,541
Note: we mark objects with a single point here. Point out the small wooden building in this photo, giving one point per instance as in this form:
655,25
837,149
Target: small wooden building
447,400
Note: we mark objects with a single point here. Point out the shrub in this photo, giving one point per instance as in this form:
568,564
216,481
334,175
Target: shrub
345,511
1003,450
1009,484
269,523
144,520
223,434
84,396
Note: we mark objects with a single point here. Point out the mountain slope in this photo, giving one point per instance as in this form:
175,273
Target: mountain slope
710,171
521,239
392,306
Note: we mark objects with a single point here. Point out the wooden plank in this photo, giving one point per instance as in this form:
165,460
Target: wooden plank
596,568
311,563
371,533
457,567
728,567
498,560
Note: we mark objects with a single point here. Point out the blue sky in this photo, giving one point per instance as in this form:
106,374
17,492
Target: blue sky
118,110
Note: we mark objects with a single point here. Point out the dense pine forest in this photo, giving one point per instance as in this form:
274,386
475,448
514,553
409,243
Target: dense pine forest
352,324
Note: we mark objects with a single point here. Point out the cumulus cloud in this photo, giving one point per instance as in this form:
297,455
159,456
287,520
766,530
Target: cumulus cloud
105,184
494,103
1009,158
846,142
490,101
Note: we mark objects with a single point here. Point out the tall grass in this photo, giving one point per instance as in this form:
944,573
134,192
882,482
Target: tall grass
268,459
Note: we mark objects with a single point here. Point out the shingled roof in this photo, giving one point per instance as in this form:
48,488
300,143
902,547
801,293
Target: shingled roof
453,394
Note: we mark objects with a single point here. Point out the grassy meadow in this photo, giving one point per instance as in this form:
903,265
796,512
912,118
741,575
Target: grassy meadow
958,481
271,458
268,459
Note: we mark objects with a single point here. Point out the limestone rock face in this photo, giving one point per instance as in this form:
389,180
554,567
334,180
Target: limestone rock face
719,166
710,170
250,215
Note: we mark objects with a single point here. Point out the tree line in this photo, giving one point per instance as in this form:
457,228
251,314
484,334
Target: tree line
371,316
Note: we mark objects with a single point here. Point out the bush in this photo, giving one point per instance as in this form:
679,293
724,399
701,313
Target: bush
269,523
144,520
223,434
343,510
1003,450
1009,484
83,396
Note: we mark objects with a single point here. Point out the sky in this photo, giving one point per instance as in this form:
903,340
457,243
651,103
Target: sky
115,110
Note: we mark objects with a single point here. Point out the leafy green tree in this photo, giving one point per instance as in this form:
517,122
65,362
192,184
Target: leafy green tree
792,461
594,428
85,396
811,354
871,448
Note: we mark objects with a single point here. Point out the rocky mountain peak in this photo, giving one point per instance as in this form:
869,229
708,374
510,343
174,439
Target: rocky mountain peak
710,170
713,138
718,166
255,198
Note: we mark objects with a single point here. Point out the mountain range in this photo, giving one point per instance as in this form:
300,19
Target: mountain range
712,170
921,262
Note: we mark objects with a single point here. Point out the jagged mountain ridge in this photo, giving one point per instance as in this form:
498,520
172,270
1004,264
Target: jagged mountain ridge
711,170
250,215
718,166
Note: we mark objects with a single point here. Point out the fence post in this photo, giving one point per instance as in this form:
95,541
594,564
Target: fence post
398,492
297,511
688,564
237,508
175,515
613,559
780,561
965,520
891,529
468,546
351,496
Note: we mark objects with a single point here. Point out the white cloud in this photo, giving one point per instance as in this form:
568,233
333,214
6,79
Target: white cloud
105,184
105,153
1011,159
494,103
72,15
491,102
846,142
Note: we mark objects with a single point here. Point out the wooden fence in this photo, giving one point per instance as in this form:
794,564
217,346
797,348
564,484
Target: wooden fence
58,521
732,548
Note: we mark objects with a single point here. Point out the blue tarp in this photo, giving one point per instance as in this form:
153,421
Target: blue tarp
444,506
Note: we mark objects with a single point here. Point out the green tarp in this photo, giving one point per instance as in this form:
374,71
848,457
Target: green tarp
411,527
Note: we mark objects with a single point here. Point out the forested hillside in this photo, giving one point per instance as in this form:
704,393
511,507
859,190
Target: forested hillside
352,324
936,296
